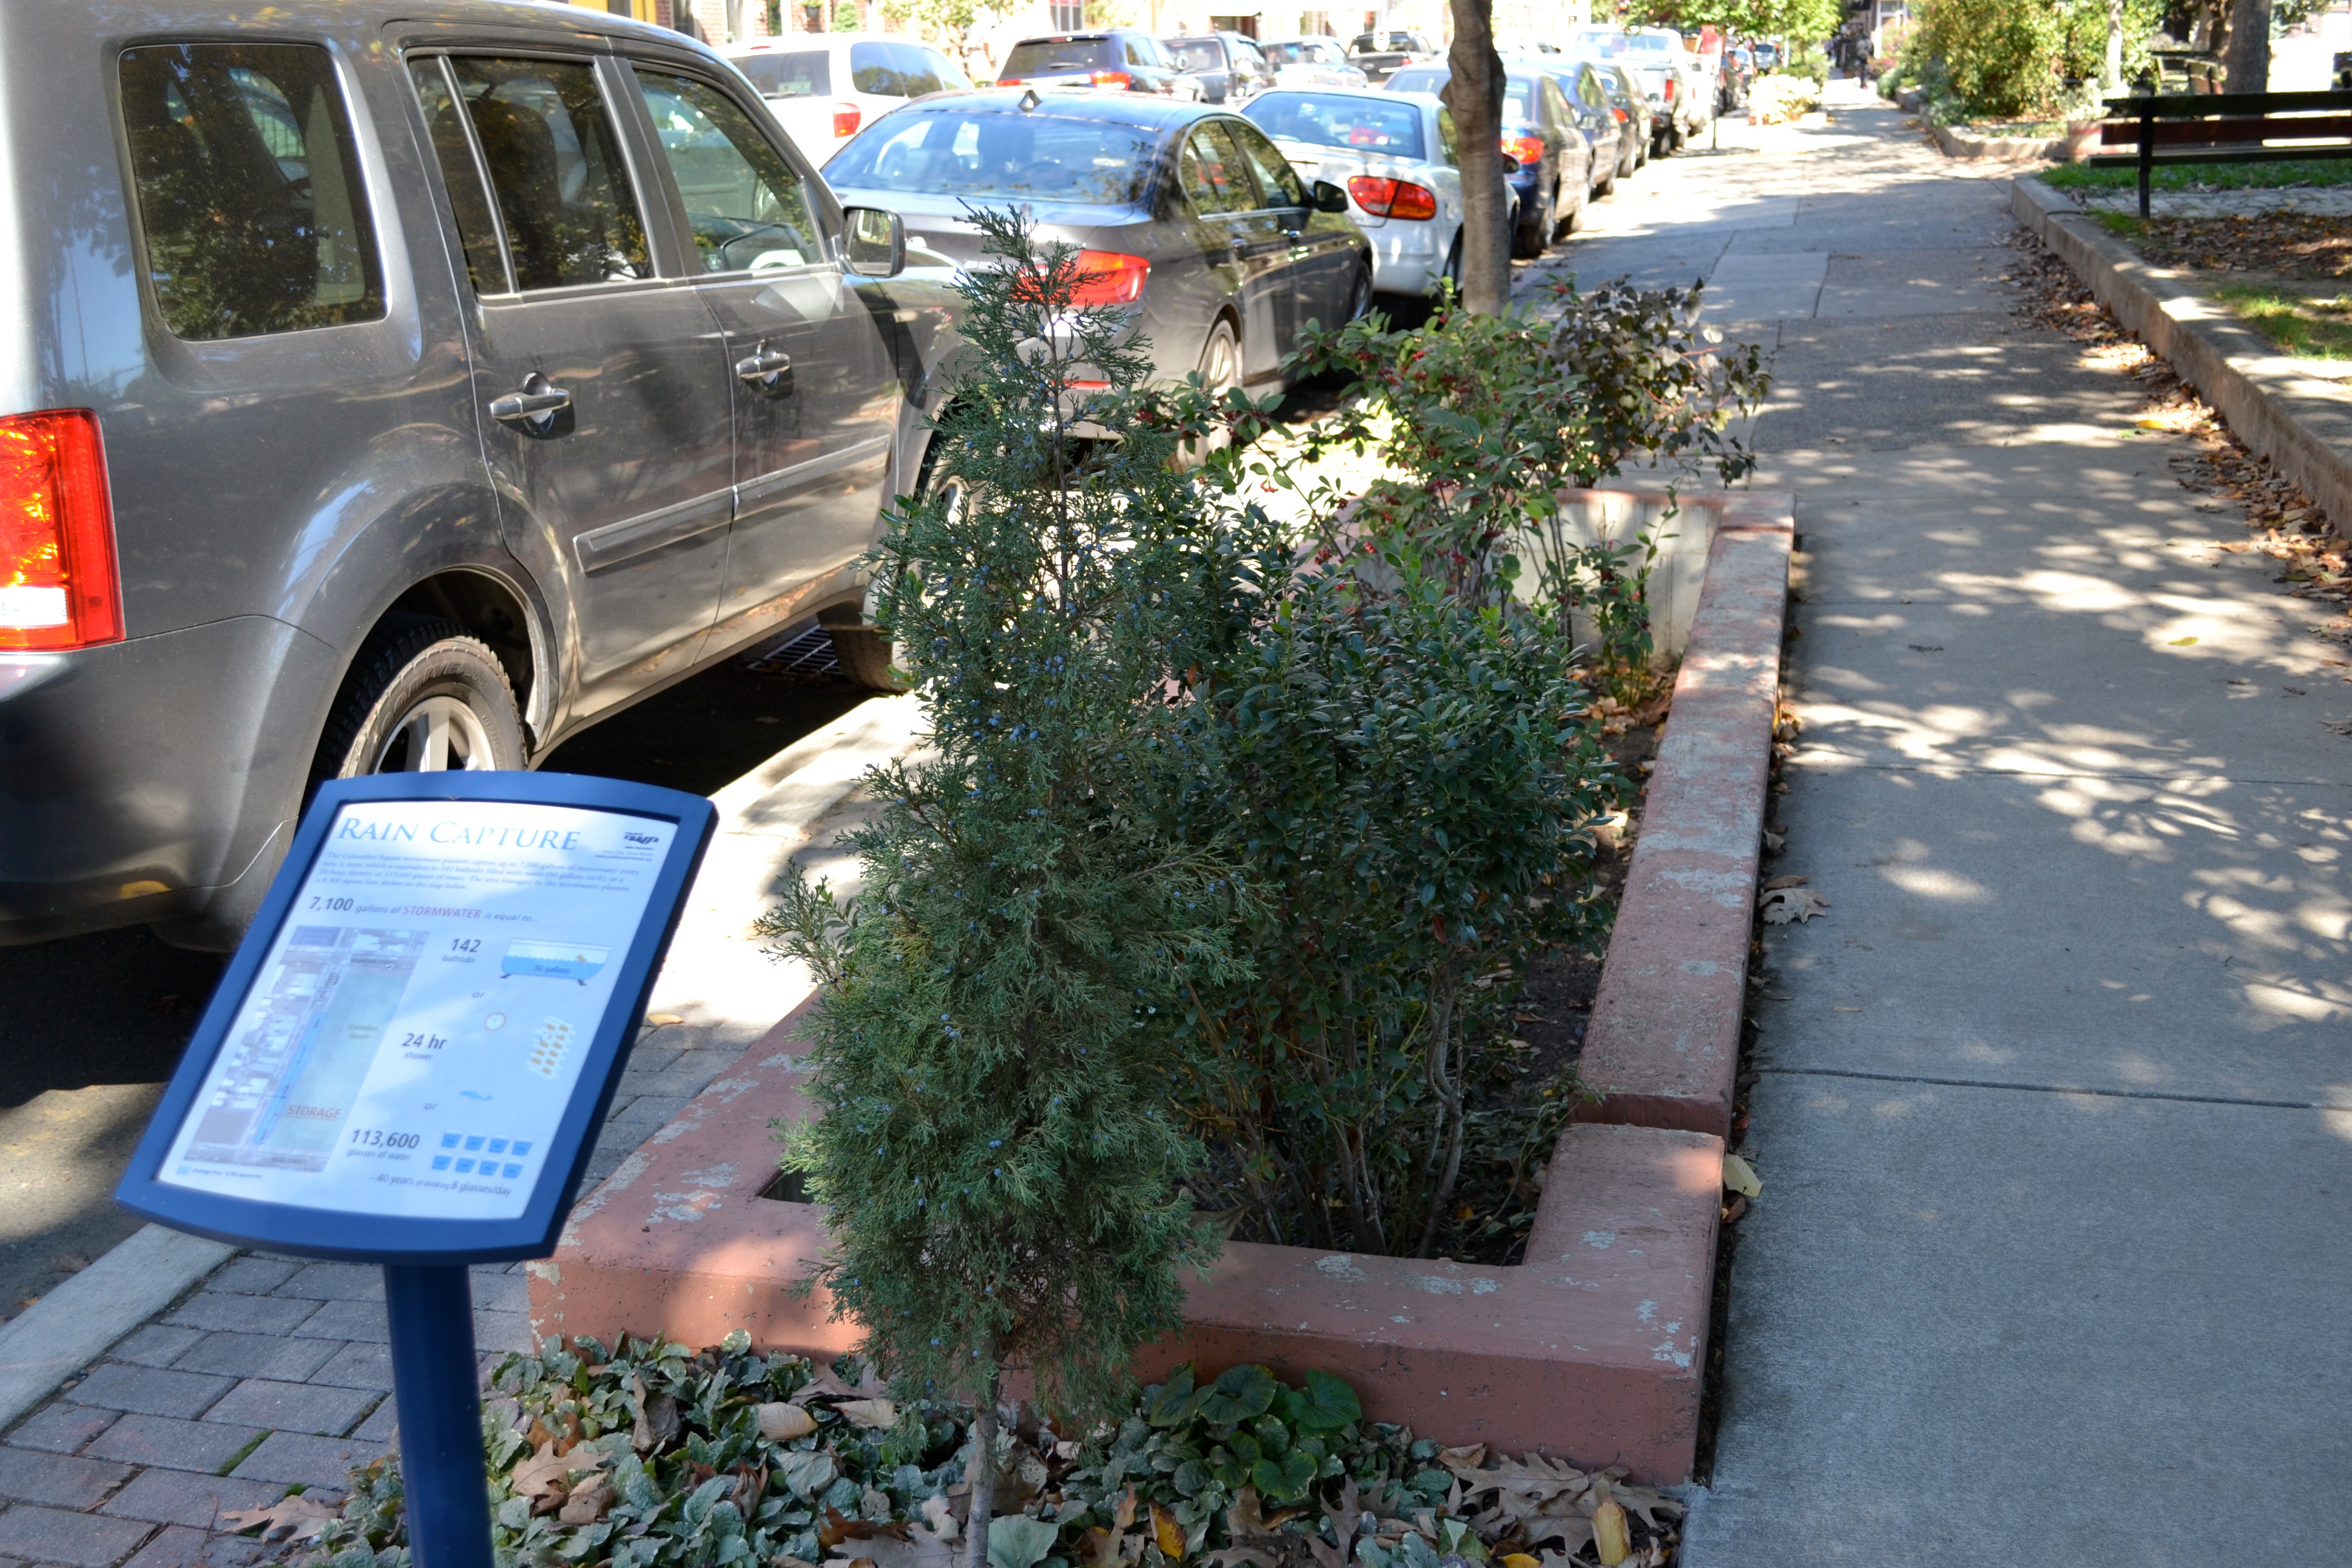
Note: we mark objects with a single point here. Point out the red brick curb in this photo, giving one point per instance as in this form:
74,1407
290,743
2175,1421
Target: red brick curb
1664,1043
1593,1348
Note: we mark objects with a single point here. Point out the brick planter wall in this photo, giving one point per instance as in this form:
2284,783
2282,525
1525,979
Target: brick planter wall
1593,1348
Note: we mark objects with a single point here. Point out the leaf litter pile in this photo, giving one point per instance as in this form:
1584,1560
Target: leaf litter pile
2286,244
2284,522
646,1456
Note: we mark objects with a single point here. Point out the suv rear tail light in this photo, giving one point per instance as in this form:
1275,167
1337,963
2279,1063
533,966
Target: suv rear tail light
1112,79
57,586
1392,198
1526,149
1671,85
1107,278
847,118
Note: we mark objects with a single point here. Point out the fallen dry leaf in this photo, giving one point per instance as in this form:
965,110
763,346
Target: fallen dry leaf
780,1422
296,1518
585,1505
548,1473
1777,883
874,1415
1781,905
1739,1176
1167,1534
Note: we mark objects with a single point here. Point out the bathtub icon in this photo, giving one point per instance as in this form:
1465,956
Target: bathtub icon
552,960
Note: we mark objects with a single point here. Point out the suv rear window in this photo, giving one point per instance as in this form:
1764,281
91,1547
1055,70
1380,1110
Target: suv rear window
249,198
1197,54
804,73
1056,57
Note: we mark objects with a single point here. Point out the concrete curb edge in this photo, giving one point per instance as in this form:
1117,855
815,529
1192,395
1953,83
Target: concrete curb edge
74,1325
2229,365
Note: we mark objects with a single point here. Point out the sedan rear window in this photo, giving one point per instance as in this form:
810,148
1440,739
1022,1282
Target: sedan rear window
804,73
1003,153
1334,120
249,196
1057,56
1519,91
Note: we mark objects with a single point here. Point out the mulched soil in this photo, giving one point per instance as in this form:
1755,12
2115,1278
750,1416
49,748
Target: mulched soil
2282,519
2290,245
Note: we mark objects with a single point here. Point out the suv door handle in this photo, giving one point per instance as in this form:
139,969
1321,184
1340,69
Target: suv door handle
533,408
767,371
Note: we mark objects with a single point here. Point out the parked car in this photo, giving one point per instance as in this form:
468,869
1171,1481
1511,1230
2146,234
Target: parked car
401,386
1588,99
1312,62
823,86
1380,55
1680,107
1396,156
1185,212
1632,109
1120,59
1228,65
1553,173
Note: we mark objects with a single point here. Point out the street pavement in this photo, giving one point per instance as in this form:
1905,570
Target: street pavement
2053,1105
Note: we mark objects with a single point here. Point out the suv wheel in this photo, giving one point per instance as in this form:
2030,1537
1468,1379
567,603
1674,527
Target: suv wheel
865,657
422,697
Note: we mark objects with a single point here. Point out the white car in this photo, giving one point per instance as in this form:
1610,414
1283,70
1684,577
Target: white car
824,88
1396,155
1312,62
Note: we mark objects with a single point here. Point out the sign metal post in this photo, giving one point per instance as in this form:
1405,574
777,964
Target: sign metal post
409,1057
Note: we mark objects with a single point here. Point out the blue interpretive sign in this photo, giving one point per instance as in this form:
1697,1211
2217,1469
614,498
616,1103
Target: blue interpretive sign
409,1058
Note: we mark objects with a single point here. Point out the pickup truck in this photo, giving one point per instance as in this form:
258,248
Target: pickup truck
1381,56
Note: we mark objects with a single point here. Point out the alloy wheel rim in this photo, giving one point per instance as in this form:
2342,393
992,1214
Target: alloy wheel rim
437,734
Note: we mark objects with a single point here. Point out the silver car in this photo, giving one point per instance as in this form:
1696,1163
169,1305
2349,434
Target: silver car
1395,155
398,384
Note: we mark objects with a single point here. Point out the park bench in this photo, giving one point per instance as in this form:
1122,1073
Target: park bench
2224,127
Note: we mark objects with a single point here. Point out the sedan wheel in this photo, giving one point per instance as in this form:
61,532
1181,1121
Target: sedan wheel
1221,371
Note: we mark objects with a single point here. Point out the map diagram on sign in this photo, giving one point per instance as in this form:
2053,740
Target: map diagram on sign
287,1084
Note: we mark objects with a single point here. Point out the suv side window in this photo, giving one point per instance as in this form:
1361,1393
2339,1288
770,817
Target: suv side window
918,75
248,190
553,158
1276,177
875,68
746,205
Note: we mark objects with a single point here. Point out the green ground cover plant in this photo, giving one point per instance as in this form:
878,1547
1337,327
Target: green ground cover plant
645,1455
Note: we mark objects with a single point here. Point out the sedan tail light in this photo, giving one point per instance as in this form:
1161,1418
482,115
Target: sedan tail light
57,585
1112,79
1622,116
1392,198
1671,85
1526,149
847,118
1107,278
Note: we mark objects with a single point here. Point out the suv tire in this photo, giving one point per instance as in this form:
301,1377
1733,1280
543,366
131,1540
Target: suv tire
865,658
421,696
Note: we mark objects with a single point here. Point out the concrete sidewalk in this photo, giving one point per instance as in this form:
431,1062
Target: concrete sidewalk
2053,1107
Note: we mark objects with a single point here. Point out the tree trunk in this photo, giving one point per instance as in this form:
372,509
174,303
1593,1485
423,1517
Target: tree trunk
2249,48
2115,72
1474,93
980,1474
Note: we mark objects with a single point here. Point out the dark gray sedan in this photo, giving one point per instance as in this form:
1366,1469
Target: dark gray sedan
1188,214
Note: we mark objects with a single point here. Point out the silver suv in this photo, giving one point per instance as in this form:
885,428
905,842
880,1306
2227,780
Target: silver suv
398,386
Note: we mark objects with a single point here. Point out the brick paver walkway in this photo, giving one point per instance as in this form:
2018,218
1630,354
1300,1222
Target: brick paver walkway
272,1375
